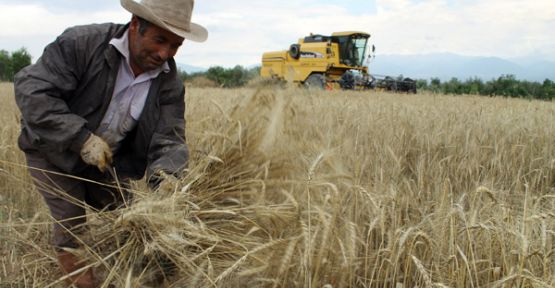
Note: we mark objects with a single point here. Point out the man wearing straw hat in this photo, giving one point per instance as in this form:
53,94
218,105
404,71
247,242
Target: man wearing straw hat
105,100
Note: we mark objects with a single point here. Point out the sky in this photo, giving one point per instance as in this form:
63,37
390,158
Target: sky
241,30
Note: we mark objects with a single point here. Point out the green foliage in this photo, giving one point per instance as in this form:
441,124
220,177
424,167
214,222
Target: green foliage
20,59
505,85
237,76
435,85
10,64
5,66
229,77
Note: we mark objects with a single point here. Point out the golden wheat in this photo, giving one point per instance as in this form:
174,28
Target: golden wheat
296,188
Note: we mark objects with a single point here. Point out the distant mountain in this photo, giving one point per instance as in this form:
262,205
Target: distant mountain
446,66
189,68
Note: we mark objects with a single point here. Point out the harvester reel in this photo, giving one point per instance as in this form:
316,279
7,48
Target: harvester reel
347,81
409,86
390,84
397,85
315,81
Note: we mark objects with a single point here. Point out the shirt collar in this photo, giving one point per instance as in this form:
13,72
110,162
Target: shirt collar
122,45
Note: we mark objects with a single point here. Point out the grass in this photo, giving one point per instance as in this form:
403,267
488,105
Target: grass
295,188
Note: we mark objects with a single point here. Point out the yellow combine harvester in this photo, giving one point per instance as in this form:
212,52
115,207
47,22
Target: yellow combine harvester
328,62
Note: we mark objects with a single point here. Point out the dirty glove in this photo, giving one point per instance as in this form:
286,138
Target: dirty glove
96,152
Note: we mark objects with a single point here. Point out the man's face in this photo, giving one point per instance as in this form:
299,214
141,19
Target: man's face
151,49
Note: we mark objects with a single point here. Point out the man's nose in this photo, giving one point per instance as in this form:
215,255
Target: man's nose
164,53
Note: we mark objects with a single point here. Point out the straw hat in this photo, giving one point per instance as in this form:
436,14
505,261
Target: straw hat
171,15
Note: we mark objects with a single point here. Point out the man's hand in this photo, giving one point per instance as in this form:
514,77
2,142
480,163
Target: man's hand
96,152
168,184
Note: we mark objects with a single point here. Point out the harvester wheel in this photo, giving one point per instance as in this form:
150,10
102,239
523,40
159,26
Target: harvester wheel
315,81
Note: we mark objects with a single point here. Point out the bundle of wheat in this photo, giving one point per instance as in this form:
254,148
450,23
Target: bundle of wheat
218,217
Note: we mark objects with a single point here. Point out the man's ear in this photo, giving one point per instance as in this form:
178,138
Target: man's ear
134,25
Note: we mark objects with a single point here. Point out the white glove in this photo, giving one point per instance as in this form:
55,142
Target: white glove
96,152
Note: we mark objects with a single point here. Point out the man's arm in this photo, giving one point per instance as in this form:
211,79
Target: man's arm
168,150
41,92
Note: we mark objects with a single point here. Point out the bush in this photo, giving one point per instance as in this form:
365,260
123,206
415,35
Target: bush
237,76
228,78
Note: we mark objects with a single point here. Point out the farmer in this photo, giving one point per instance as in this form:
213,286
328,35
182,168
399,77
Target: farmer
105,100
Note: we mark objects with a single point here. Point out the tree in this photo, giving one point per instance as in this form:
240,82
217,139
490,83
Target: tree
5,65
548,89
217,74
435,85
183,75
453,86
230,77
10,64
475,86
422,84
20,59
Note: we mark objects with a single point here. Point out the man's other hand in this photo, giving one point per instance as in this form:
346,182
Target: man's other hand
168,184
96,152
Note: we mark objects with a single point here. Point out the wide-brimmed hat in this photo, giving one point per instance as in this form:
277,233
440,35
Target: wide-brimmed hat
171,15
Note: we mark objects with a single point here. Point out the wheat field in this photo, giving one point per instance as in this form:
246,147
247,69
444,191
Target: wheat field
296,188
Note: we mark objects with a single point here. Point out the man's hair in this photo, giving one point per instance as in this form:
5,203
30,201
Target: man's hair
143,25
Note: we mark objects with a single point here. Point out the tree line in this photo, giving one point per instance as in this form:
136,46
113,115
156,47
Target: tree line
11,63
239,76
505,85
